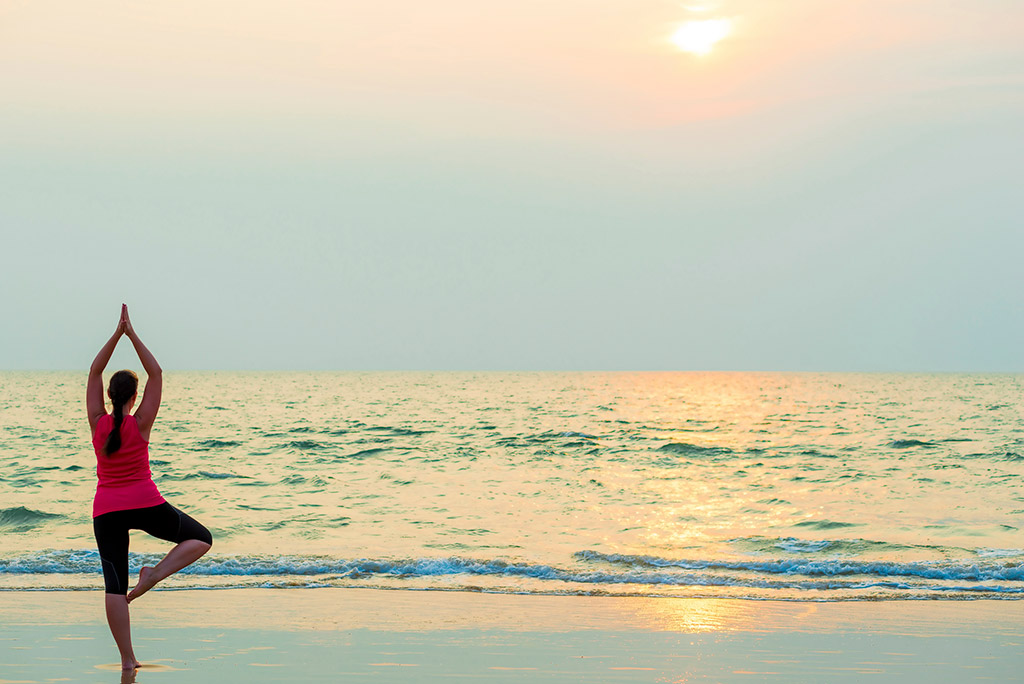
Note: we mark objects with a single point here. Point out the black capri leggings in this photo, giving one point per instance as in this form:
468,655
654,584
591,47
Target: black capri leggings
163,521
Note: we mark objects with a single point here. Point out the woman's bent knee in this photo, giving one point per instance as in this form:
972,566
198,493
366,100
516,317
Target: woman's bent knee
205,539
199,545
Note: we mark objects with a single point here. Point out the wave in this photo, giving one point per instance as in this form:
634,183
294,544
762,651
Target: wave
582,435
931,570
828,580
408,432
999,553
803,545
908,443
562,438
200,475
217,476
684,449
215,444
306,445
365,453
845,547
825,524
21,518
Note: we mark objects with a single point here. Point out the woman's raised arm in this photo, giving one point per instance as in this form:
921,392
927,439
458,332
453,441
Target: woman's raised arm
146,413
94,404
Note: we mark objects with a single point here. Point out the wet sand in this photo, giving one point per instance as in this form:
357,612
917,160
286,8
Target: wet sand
319,635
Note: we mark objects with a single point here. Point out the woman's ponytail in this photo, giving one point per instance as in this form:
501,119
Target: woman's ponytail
123,385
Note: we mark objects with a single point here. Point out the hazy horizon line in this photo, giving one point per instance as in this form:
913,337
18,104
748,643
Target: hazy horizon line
538,370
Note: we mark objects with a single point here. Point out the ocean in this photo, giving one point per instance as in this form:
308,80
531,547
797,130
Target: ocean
803,486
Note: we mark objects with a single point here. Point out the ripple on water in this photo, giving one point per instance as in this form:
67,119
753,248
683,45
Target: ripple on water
200,475
410,432
693,450
365,453
825,524
207,444
307,445
908,443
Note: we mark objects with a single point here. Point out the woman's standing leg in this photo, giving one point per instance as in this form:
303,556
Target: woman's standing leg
121,627
111,532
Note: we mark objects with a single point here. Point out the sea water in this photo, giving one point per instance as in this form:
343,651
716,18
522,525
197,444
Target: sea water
753,485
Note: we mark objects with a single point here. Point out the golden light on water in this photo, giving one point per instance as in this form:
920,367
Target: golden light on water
699,37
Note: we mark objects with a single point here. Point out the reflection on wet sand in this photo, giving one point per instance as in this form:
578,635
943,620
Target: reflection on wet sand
699,616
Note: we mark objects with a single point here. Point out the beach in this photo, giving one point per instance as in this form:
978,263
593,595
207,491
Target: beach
332,634
528,341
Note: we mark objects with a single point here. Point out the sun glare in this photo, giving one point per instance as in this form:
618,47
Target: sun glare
699,37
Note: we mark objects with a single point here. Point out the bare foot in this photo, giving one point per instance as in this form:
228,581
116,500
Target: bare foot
130,664
129,672
147,580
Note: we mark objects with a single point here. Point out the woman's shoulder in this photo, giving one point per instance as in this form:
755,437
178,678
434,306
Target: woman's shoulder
102,424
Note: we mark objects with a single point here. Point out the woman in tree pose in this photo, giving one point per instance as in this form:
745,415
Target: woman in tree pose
126,496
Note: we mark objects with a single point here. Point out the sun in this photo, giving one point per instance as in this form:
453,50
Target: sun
698,37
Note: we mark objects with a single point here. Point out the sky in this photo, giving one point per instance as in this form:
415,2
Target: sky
528,185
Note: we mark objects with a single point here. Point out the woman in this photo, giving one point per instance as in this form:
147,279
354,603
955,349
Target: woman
126,496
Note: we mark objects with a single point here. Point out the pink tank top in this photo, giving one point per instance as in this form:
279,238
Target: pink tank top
124,478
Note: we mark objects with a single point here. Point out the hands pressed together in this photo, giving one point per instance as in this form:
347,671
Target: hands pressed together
124,326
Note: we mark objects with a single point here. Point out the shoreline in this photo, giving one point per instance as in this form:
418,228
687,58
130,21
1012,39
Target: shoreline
383,635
